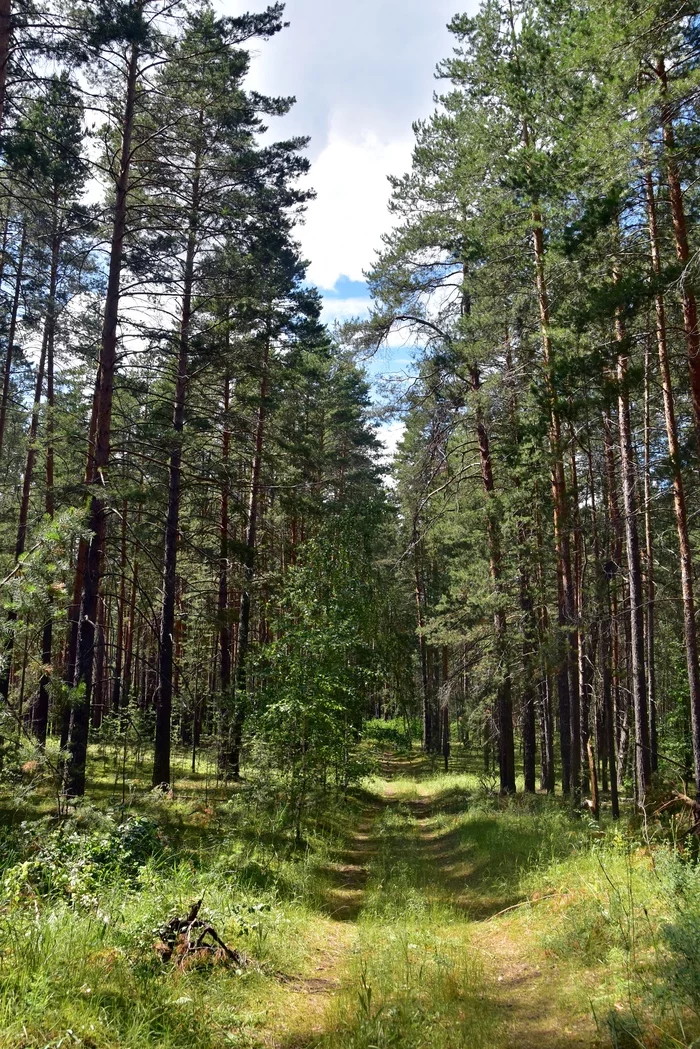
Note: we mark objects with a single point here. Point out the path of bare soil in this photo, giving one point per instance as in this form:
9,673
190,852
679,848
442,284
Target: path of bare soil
540,1003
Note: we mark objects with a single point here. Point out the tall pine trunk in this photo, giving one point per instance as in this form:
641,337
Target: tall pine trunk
164,701
125,698
5,41
74,770
223,599
680,231
117,684
568,671
504,695
634,564
650,580
419,591
250,543
679,500
41,709
12,332
22,524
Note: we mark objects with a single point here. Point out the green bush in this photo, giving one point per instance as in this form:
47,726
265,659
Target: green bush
680,878
73,861
396,734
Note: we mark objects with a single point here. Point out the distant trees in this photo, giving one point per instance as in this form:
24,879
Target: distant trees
541,238
171,400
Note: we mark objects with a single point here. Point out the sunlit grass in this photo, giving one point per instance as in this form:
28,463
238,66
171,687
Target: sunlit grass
396,897
415,981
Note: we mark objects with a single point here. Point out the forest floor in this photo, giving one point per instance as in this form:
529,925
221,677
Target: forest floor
410,871
422,911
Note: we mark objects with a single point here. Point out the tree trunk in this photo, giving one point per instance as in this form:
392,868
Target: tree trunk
547,772
99,691
71,647
223,610
634,565
20,541
583,663
164,702
121,602
129,639
504,700
38,719
608,705
240,677
595,800
74,771
12,332
5,40
568,676
422,649
445,709
680,230
679,501
605,720
650,634
529,693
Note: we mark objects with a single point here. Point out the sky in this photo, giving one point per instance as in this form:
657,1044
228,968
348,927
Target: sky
362,71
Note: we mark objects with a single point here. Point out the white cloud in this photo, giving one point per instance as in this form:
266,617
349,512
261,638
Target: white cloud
391,435
361,72
343,309
345,222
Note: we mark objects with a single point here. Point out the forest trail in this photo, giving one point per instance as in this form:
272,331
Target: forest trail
408,854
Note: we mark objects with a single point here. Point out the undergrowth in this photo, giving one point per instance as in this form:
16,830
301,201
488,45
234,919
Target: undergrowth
611,912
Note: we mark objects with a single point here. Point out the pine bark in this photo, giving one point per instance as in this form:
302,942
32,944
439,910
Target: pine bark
125,698
680,231
5,43
74,770
117,684
547,771
40,714
20,541
504,696
445,709
568,673
223,598
650,634
528,700
634,565
250,544
11,335
164,702
679,498
604,720
22,524
419,591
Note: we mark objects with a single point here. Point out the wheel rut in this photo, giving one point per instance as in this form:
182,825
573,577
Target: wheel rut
533,998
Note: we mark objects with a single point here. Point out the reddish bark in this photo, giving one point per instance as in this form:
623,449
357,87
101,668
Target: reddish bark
74,772
679,499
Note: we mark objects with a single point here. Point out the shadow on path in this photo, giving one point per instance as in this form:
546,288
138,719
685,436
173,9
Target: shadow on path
469,870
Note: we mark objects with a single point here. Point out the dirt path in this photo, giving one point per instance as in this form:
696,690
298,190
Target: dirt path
539,1002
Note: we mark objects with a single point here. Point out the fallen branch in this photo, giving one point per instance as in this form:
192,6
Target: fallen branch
187,940
526,903
679,798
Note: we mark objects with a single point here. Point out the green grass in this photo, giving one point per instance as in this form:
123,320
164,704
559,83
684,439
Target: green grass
421,911
415,980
